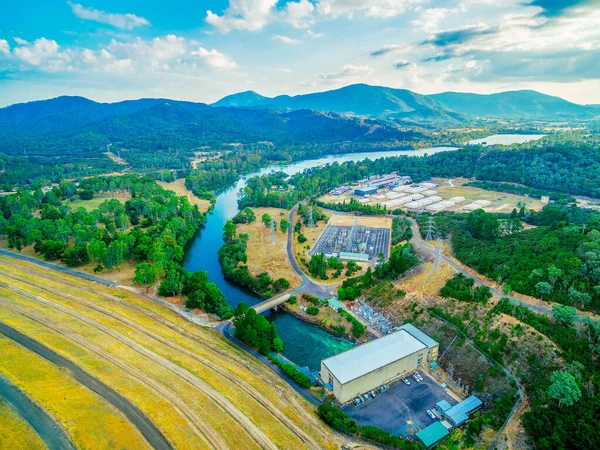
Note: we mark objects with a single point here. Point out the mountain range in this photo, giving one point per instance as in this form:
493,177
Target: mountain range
356,113
379,102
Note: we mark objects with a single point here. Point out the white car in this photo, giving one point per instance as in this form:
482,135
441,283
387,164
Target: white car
430,414
406,381
416,377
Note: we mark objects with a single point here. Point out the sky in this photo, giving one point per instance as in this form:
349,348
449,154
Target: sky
202,50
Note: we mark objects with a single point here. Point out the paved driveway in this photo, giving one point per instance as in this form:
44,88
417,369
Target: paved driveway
401,409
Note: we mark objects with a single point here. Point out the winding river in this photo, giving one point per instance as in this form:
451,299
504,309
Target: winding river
305,344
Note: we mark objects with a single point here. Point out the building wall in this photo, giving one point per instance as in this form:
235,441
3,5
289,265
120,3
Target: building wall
345,392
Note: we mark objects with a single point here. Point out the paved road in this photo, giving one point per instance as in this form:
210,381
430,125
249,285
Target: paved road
136,417
422,246
308,286
50,432
48,265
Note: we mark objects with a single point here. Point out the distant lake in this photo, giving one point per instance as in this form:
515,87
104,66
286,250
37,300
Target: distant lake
507,139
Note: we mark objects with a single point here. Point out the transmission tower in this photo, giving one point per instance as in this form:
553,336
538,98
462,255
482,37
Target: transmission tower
429,236
273,231
435,265
311,219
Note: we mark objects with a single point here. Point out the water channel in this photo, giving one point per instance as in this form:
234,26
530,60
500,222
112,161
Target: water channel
305,344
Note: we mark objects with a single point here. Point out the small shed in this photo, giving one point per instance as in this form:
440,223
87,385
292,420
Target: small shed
433,435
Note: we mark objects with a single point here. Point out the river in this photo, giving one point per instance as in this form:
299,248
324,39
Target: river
305,344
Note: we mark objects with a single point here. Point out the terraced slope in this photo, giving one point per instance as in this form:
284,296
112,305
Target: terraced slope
198,389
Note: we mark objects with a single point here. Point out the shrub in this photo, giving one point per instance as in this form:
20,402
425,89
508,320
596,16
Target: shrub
292,372
312,310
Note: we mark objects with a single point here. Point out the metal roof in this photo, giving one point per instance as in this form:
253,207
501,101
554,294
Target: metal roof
419,335
373,355
459,413
443,406
433,434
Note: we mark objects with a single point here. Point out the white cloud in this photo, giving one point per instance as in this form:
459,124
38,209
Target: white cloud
242,15
159,48
126,21
20,41
367,8
299,14
45,54
430,19
215,59
349,71
391,48
285,39
4,47
313,35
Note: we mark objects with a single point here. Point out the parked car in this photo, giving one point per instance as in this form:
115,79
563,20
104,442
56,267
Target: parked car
430,414
415,377
406,381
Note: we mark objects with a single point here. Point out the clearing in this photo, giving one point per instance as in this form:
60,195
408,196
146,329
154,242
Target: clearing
264,255
178,186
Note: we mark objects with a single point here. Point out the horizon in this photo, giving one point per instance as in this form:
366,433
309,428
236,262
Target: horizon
113,51
277,95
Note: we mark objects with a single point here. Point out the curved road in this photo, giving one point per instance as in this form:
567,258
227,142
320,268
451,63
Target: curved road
135,416
49,431
421,245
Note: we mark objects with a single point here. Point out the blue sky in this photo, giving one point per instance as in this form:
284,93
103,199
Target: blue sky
202,50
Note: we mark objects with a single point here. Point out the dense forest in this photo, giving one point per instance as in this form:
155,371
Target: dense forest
149,230
557,261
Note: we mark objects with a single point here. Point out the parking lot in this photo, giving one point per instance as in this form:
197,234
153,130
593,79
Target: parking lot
401,409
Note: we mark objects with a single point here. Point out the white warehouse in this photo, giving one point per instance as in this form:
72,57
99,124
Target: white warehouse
370,365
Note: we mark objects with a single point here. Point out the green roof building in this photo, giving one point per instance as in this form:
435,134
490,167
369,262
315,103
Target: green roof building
433,435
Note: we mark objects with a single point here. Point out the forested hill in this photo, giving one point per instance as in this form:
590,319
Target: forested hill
68,125
379,101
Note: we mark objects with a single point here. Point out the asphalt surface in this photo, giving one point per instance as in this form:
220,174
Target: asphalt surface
49,431
401,409
136,417
48,265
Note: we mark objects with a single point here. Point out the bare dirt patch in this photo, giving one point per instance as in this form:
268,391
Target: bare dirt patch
178,186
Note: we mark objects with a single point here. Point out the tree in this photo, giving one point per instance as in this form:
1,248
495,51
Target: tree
97,250
543,288
564,314
76,256
114,255
266,219
173,284
284,225
564,388
145,273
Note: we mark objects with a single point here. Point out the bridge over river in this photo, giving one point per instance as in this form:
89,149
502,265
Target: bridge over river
271,303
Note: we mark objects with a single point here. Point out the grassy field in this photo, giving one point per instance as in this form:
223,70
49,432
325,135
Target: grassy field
178,186
191,382
99,199
265,255
90,421
15,432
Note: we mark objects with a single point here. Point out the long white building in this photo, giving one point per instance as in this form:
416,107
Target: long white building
370,365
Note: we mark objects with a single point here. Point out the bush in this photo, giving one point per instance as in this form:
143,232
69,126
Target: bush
301,238
312,310
292,372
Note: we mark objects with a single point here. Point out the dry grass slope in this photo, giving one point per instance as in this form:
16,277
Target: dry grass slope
202,391
15,432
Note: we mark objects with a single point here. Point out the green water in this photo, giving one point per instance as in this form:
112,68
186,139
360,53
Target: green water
306,344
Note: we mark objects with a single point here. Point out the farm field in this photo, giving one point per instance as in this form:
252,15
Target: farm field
98,199
265,255
195,386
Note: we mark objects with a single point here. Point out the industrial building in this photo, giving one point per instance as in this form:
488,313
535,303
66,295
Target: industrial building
365,190
433,435
375,363
459,413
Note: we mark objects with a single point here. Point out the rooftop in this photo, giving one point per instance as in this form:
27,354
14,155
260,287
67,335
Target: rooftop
419,335
433,434
368,357
459,413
